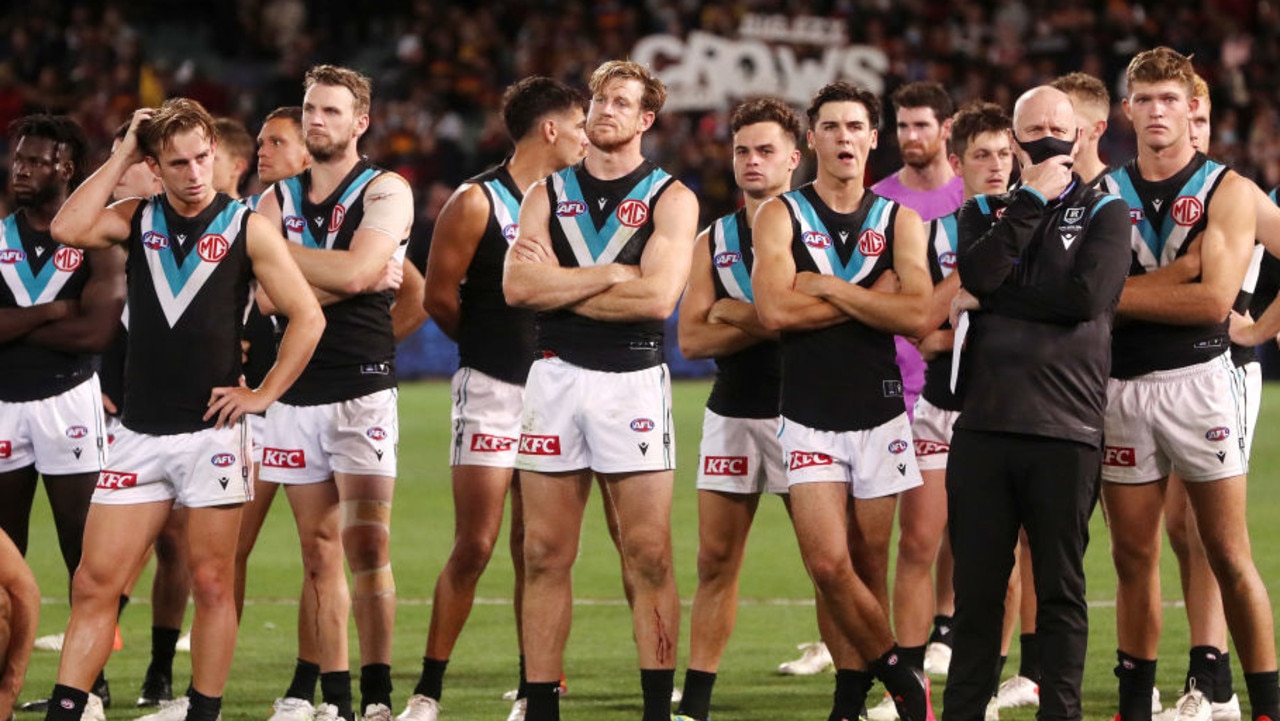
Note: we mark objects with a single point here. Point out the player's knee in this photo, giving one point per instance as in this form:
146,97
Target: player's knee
212,583
366,531
471,556
372,583
917,547
544,553
322,557
829,570
1132,558
716,559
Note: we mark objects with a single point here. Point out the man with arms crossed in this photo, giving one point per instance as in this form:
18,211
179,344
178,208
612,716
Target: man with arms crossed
603,252
192,253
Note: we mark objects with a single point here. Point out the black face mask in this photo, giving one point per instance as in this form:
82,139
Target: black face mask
1046,147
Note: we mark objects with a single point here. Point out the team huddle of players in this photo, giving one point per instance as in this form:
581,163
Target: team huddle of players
1069,334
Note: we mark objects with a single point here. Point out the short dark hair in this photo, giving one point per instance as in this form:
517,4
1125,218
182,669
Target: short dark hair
1088,91
924,94
529,100
60,129
290,112
176,115
233,136
767,110
843,92
974,119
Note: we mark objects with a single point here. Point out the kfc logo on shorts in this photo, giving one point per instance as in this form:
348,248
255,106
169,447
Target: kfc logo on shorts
335,219
485,443
295,224
727,259
871,243
814,239
376,433
570,208
68,259
212,248
222,460
6,449
947,260
113,480
724,465
539,445
632,213
283,458
930,448
642,425
1119,456
1186,210
152,240
77,432
1221,433
897,446
9,256
804,459
510,231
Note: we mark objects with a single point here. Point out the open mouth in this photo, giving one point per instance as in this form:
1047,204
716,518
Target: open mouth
845,155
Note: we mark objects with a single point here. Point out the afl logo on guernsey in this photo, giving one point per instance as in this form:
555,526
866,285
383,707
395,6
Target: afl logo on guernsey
1221,433
897,446
632,213
728,258
510,232
376,433
1186,210
642,425
570,208
335,219
1136,215
222,460
947,260
814,239
68,259
871,243
152,240
9,256
77,432
212,248
294,224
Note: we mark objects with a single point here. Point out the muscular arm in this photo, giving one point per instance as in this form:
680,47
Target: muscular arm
533,278
1225,247
664,265
773,277
18,322
23,599
1268,231
93,325
454,240
701,335
408,312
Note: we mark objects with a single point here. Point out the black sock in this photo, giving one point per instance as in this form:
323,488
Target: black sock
696,701
335,688
656,684
523,689
431,682
941,630
543,701
913,656
375,685
1222,681
1264,694
902,683
303,685
66,704
1201,667
1029,665
850,696
995,682
203,708
164,644
124,601
1137,677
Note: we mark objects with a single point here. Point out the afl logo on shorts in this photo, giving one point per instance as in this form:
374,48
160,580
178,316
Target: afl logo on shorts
335,219
212,248
632,213
1136,215
897,446
152,240
510,232
9,256
871,243
570,208
814,239
642,425
68,259
77,432
727,259
1221,433
1186,210
294,224
947,260
376,433
222,460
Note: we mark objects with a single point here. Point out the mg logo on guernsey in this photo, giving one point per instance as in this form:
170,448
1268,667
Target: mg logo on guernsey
294,224
1221,433
152,240
728,258
1186,210
77,432
897,446
539,445
222,460
642,425
212,248
803,459
9,256
871,243
283,458
485,443
112,480
1119,456
68,259
725,465
930,448
570,208
335,219
632,213
814,239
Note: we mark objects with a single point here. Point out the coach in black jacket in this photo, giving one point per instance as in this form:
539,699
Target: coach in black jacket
1041,270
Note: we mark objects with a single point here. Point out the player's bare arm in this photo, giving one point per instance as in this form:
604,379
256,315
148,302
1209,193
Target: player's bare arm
1268,222
408,312
532,276
904,312
85,221
935,339
773,277
701,335
92,325
454,240
664,266
280,277
18,322
18,583
1225,247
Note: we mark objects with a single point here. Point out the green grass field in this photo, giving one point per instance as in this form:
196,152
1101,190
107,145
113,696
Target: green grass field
776,609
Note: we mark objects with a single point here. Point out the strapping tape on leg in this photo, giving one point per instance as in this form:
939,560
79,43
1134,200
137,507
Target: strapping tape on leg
373,583
366,513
